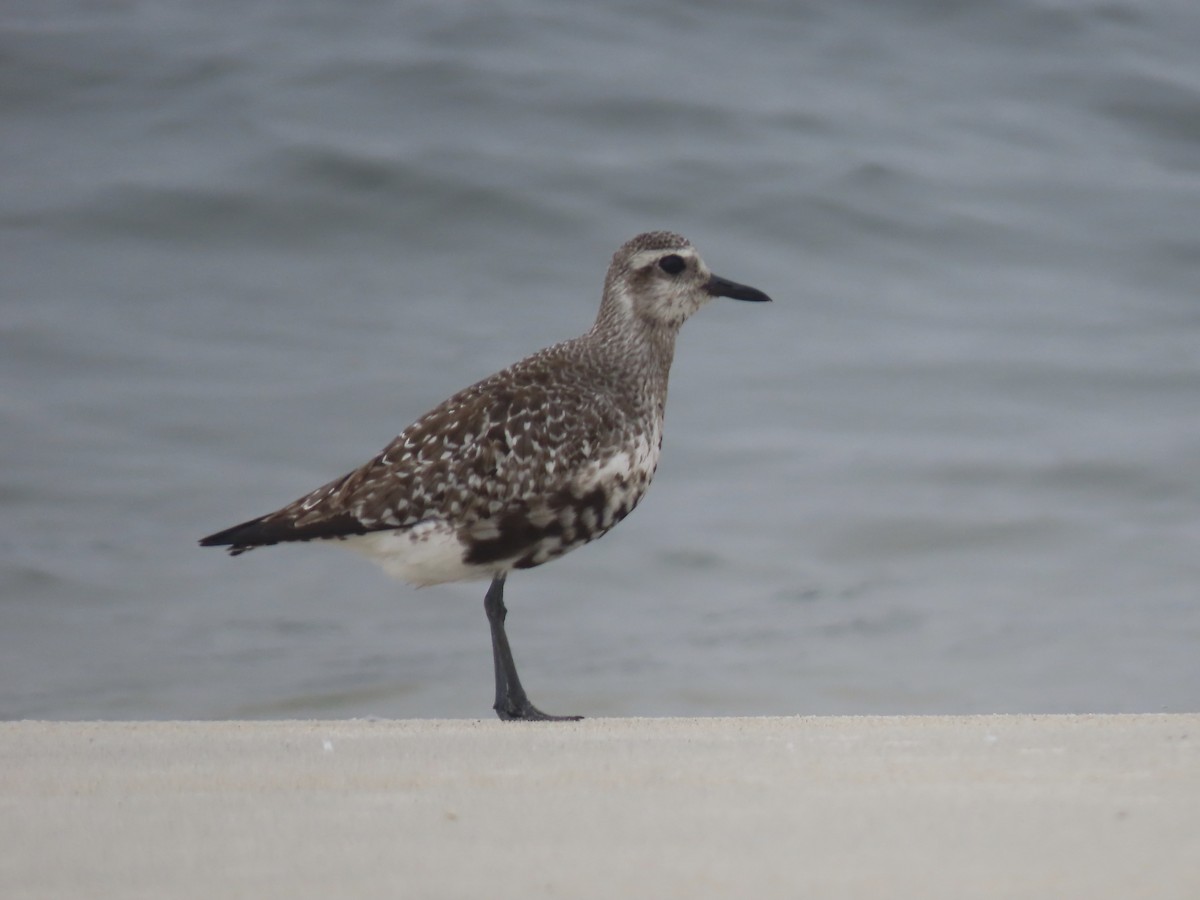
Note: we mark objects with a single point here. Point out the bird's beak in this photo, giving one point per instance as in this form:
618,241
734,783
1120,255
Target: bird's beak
720,287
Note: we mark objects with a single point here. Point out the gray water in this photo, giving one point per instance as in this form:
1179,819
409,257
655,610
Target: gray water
955,467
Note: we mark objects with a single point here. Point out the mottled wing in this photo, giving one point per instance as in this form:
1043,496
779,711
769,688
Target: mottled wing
498,461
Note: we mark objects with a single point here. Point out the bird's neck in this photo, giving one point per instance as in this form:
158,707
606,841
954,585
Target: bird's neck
645,349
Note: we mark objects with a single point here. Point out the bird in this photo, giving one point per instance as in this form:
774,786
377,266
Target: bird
527,464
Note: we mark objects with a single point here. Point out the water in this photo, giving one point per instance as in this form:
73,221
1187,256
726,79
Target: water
954,468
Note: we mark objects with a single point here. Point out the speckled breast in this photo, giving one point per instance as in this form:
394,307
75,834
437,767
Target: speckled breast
544,528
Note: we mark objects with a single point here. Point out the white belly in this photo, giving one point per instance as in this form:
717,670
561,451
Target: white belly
428,553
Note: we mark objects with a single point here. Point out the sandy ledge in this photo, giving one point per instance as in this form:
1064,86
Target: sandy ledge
928,807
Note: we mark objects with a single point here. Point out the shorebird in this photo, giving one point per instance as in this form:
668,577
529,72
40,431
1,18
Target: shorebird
527,464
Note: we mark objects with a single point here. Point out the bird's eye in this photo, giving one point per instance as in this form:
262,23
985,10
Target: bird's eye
672,264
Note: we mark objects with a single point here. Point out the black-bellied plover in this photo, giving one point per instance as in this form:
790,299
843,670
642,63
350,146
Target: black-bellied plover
526,465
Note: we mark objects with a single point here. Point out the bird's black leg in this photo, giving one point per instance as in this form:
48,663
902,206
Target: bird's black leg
511,701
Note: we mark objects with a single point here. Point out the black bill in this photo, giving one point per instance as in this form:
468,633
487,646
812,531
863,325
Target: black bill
720,287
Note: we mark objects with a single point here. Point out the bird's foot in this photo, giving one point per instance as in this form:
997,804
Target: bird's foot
523,711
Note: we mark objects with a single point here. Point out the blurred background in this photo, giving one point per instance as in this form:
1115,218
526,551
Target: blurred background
954,468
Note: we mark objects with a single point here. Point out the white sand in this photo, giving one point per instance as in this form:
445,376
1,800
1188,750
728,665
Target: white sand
911,807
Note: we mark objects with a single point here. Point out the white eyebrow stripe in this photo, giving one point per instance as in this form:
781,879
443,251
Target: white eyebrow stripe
648,257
